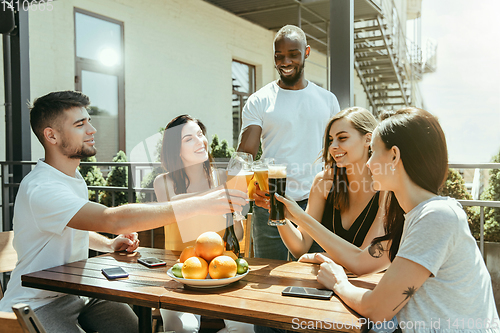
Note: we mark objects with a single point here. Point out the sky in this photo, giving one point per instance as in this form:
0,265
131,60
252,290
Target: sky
464,92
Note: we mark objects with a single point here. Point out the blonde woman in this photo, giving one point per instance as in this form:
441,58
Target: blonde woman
342,196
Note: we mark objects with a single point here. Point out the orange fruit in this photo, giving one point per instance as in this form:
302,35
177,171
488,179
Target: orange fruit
230,254
222,267
209,245
187,253
195,268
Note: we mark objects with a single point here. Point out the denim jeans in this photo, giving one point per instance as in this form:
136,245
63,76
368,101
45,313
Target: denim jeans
267,241
77,314
267,244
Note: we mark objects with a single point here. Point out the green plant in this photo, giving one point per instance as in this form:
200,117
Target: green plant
92,175
492,215
259,152
147,182
454,187
95,111
221,150
117,177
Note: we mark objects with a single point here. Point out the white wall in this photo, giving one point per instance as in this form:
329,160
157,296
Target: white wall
315,68
2,106
178,56
52,52
359,94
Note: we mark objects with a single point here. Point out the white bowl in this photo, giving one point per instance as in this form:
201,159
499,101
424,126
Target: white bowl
206,283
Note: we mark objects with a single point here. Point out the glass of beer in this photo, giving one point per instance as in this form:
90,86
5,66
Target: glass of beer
239,175
260,169
277,184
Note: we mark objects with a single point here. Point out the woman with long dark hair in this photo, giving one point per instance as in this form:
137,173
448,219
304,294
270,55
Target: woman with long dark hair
187,162
437,278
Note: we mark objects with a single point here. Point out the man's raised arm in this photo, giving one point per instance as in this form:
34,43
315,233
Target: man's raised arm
137,217
250,140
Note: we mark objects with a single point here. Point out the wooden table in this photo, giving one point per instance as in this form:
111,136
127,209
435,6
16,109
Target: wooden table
254,299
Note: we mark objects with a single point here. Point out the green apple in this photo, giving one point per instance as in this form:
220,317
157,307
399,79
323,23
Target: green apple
177,269
242,266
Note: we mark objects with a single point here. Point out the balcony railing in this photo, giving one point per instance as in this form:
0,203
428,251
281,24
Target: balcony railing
480,203
138,170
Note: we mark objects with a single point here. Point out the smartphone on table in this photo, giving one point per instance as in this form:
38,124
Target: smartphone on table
307,292
114,272
151,262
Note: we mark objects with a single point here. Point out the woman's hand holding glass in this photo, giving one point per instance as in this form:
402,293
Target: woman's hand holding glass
292,210
261,170
260,197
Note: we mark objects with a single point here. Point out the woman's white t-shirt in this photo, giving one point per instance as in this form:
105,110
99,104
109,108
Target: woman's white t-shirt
458,295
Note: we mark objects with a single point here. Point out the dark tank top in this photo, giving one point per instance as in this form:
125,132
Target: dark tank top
357,232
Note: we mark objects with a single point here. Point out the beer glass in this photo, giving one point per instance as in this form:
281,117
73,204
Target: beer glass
239,175
277,184
260,169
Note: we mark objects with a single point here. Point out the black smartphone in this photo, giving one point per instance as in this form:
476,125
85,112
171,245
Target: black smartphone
151,262
307,292
114,272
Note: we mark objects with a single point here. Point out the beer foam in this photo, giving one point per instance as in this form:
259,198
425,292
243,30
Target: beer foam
240,173
276,171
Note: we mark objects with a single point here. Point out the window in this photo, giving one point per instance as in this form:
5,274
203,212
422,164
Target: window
243,86
99,75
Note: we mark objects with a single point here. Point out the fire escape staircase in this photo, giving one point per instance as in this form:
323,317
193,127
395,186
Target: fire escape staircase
379,65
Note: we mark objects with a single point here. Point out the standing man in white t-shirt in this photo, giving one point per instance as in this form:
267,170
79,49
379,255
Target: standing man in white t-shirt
289,116
54,222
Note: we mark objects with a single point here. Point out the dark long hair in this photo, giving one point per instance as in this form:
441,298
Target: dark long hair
170,153
424,155
364,122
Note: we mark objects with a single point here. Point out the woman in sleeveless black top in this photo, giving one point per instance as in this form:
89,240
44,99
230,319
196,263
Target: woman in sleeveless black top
342,196
357,232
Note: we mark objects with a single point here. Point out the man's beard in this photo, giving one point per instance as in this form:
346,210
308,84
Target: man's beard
78,153
291,81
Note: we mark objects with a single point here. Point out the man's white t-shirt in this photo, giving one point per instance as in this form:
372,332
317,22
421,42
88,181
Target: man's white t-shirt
458,296
293,124
47,200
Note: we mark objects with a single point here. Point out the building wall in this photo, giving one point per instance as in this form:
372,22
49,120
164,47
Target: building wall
178,56
359,94
2,107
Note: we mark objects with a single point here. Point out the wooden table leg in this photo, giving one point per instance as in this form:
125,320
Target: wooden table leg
145,319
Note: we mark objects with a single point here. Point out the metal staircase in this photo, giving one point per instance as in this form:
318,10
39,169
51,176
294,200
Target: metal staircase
388,65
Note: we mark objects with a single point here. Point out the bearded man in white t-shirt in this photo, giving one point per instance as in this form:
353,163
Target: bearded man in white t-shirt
289,116
55,223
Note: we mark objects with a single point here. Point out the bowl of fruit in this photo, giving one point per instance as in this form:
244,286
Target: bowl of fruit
207,265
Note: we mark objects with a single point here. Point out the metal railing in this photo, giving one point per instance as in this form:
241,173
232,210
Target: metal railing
480,203
406,56
141,169
136,172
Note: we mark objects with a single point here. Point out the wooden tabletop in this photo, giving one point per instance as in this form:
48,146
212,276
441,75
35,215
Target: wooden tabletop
254,299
